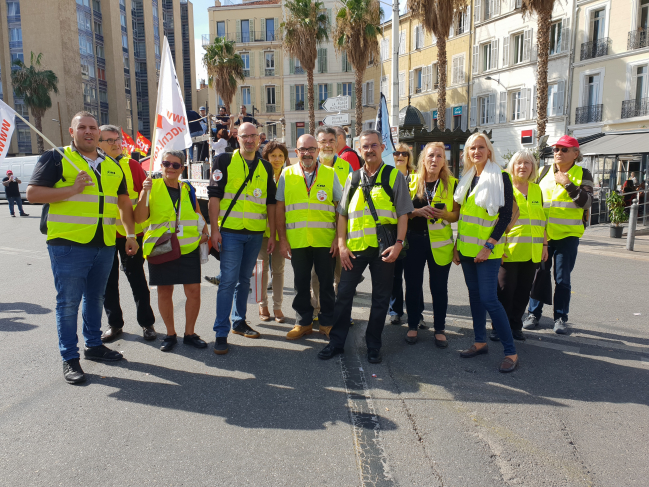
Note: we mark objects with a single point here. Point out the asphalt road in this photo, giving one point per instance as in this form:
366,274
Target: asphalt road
271,414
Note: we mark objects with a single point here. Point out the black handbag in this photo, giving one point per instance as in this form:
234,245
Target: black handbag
542,285
385,234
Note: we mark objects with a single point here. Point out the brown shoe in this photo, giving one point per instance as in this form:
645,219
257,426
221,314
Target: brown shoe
472,351
264,314
279,316
325,330
148,333
299,331
110,334
508,365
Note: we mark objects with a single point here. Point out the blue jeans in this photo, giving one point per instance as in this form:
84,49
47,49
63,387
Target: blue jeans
15,200
198,133
79,272
238,257
482,281
564,252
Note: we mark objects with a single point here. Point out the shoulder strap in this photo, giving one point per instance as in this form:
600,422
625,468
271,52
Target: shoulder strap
356,179
368,198
236,196
385,181
546,169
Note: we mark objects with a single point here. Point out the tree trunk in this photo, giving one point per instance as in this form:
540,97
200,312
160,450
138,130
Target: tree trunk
38,123
358,88
543,42
309,79
441,92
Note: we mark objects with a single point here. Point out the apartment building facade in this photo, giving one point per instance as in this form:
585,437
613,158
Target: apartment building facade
106,54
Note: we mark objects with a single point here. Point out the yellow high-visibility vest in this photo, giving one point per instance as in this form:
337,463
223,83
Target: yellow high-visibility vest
525,239
565,218
440,233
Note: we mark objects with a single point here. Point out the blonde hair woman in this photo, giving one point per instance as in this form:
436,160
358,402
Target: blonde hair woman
431,240
486,199
526,243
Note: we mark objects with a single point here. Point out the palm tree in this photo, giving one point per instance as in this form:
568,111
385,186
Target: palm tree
33,85
543,9
224,67
306,26
437,17
356,33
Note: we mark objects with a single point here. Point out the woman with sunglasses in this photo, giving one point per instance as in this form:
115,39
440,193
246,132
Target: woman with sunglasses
171,200
431,239
486,198
277,155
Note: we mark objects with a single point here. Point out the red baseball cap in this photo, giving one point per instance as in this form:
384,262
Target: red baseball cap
10,171
567,141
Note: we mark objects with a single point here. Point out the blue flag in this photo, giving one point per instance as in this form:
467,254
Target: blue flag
383,125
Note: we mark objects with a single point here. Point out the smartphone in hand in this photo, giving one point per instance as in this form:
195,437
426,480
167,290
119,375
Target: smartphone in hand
439,206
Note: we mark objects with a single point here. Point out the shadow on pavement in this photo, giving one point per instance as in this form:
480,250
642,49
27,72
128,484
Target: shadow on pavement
15,323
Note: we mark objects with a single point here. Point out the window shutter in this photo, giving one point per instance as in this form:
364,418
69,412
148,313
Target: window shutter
291,65
463,119
421,36
491,111
414,38
278,98
451,32
473,112
427,120
339,89
353,98
293,135
238,99
263,29
330,90
276,22
494,54
433,39
460,68
324,59
561,88
253,100
429,79
306,95
476,13
411,85
512,4
402,42
524,103
502,109
424,78
496,8
364,94
505,51
402,84
533,109
329,17
527,45
238,30
292,99
476,59
467,19
565,35
449,118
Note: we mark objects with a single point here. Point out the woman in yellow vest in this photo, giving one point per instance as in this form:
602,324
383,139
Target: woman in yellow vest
486,199
170,200
526,242
277,155
431,240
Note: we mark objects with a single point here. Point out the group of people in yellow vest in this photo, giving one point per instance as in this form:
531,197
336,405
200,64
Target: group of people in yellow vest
316,213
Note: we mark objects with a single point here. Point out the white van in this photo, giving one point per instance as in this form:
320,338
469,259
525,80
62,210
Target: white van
22,167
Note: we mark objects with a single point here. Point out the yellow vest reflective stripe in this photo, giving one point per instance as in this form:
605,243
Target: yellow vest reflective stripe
412,179
132,194
474,228
525,240
361,229
77,217
163,218
563,215
342,168
310,218
249,212
440,233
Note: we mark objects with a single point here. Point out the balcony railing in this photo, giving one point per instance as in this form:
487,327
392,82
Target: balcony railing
637,40
246,73
299,70
270,72
271,108
299,105
598,48
11,19
589,114
16,44
245,37
635,108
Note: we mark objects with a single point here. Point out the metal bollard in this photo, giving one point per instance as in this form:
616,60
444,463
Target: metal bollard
633,220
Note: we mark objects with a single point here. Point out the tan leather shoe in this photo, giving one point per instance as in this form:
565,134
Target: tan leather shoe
299,331
279,316
324,330
264,314
110,334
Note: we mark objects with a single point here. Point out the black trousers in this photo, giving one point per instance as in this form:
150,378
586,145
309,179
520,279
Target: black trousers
514,285
133,267
303,260
382,274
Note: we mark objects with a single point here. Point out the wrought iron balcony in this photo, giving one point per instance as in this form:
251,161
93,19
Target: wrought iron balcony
270,72
589,114
271,108
205,40
246,73
299,70
598,48
635,108
637,40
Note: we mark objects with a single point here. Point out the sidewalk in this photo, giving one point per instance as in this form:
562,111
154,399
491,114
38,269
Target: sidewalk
597,240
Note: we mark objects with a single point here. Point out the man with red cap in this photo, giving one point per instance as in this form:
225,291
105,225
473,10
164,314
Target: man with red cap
567,195
12,191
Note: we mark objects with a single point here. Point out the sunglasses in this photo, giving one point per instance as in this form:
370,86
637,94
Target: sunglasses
175,165
401,153
560,149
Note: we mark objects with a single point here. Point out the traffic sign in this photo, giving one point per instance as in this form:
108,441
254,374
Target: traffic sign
337,103
339,119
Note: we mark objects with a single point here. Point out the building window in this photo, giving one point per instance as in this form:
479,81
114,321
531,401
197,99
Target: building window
270,63
13,10
299,97
122,19
300,131
457,121
270,99
271,131
101,74
591,92
220,29
486,56
129,124
99,50
322,95
103,96
402,84
346,65
518,48
461,23
298,67
555,38
104,117
245,95
517,105
89,93
246,63
127,82
245,31
127,63
368,93
347,89
385,86
418,80
322,60
402,42
270,29
124,41
83,20
419,37
483,110
85,3
156,49
98,28
96,6
597,25
457,74
435,77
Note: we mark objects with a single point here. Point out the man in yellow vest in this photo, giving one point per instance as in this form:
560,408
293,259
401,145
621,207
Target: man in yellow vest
110,142
359,246
242,186
307,196
567,193
85,203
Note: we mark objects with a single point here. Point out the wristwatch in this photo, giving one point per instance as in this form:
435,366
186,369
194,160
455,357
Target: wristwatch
130,235
490,246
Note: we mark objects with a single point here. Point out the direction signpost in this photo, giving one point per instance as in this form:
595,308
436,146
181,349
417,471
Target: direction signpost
337,104
339,119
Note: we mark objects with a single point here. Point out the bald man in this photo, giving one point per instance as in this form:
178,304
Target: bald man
241,205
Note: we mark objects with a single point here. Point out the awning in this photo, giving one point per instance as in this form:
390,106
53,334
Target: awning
617,144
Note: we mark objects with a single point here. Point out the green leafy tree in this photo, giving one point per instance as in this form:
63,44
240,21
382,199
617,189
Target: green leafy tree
224,68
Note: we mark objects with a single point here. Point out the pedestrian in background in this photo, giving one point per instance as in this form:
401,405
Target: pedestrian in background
81,232
526,242
345,152
12,192
277,155
195,130
221,144
170,201
486,199
431,240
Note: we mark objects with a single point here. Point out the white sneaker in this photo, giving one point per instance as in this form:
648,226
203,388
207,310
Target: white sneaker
530,322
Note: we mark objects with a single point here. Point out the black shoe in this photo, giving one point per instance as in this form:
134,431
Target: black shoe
374,356
13,216
213,280
441,343
395,320
330,352
148,333
72,371
102,353
194,340
110,334
24,214
411,340
169,342
221,346
472,351
493,336
245,330
518,335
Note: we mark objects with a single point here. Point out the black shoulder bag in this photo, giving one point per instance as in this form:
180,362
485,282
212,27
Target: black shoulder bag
45,211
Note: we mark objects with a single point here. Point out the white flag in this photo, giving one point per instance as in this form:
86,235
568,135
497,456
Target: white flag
7,125
172,129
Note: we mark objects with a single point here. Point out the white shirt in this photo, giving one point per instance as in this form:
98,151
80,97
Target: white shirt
219,146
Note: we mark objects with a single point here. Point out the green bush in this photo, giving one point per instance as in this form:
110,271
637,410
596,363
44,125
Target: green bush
616,211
